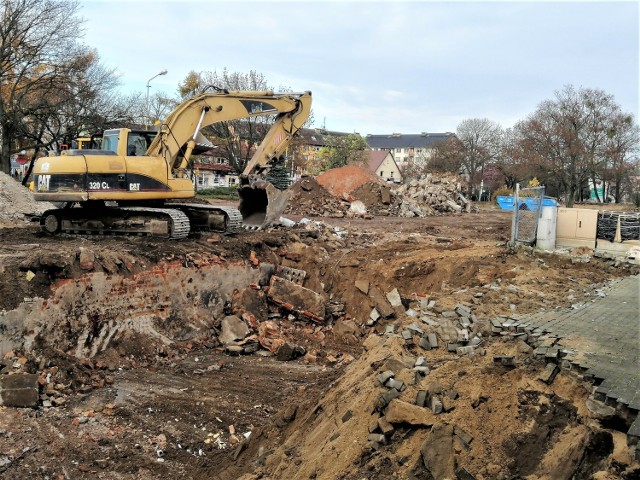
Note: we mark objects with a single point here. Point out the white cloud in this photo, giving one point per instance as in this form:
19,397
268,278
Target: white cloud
377,67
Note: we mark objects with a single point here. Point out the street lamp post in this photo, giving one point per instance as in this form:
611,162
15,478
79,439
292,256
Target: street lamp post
146,122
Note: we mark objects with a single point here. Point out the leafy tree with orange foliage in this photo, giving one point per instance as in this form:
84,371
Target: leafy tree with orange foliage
51,86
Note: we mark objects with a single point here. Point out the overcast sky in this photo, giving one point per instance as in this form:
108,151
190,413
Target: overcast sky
381,67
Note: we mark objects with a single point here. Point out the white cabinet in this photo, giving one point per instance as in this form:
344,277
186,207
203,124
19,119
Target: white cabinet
576,227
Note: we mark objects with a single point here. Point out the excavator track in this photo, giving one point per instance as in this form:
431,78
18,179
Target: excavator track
232,217
166,223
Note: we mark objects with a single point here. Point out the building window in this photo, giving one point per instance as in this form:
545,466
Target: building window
203,180
381,173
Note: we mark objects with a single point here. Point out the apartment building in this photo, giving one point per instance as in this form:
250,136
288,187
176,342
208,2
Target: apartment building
408,148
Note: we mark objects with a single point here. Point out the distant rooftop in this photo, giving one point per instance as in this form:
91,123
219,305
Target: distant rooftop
317,136
406,140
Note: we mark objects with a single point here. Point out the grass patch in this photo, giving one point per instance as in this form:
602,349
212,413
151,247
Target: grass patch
219,193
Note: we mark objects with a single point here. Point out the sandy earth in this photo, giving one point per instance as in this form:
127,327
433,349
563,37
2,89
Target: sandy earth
124,334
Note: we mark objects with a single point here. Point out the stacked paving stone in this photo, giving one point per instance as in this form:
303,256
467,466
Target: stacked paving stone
279,176
430,195
456,330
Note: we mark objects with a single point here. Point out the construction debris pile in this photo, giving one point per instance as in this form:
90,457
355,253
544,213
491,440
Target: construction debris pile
17,203
430,195
352,191
308,197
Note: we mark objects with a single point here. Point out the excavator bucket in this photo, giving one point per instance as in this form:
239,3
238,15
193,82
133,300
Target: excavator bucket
261,203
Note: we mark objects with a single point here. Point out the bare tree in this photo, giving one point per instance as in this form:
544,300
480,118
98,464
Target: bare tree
569,137
160,106
50,85
237,139
511,160
621,151
480,143
447,155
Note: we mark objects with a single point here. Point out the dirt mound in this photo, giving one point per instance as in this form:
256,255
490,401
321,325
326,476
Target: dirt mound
344,180
310,198
149,358
16,202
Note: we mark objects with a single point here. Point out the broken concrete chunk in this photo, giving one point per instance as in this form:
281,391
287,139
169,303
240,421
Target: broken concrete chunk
465,350
381,303
289,351
436,405
347,416
415,328
397,384
394,298
266,271
385,376
437,452
462,310
19,390
403,412
464,436
424,343
377,438
462,336
232,328
420,362
507,361
388,396
433,340
363,286
549,373
385,427
297,298
421,398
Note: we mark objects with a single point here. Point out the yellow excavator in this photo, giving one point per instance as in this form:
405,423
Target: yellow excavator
119,190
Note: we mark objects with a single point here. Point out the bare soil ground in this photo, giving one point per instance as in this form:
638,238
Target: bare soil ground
176,404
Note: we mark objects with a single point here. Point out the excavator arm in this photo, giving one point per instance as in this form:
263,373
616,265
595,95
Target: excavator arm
260,202
178,133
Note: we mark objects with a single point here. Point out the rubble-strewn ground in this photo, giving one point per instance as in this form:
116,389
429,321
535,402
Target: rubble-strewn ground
135,383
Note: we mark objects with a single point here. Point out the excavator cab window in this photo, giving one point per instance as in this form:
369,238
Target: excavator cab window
138,142
110,141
